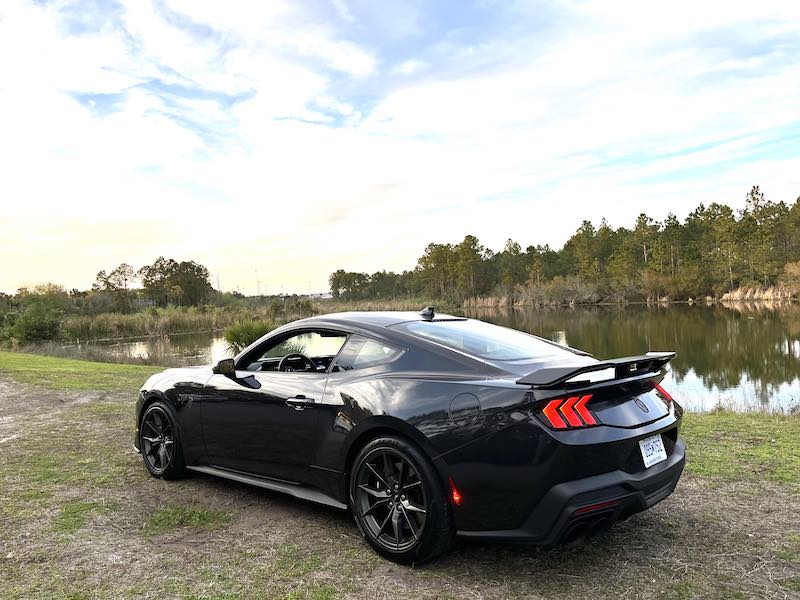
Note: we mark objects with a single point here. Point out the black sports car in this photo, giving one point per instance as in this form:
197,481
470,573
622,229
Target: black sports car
425,426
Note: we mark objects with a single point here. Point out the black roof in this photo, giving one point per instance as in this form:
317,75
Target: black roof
380,318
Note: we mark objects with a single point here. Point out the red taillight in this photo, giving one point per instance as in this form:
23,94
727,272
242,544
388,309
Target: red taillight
664,394
573,409
455,495
581,409
566,410
595,507
551,412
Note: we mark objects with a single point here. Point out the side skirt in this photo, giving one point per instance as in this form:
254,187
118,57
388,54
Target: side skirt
296,490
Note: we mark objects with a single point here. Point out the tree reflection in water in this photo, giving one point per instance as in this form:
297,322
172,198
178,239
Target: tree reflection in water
741,357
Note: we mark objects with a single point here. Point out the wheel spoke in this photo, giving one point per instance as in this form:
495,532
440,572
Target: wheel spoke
411,525
380,477
401,474
381,494
150,425
383,525
152,440
375,506
411,485
413,508
159,423
396,527
163,456
388,469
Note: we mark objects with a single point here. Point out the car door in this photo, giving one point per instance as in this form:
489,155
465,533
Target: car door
263,423
263,420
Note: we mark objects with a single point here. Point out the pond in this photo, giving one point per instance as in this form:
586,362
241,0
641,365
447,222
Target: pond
743,357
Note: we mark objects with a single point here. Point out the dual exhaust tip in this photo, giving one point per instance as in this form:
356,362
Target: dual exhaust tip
582,530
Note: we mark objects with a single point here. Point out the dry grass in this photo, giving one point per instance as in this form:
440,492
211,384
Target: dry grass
80,518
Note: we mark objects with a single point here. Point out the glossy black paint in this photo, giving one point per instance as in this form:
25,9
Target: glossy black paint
519,479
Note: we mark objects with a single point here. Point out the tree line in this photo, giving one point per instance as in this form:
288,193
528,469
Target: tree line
714,250
37,313
165,282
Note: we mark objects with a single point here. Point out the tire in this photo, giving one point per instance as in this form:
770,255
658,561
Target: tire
399,503
160,442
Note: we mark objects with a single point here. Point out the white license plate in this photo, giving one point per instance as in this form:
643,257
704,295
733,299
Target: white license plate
653,451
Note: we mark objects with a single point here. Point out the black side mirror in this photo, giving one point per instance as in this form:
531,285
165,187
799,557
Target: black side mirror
225,367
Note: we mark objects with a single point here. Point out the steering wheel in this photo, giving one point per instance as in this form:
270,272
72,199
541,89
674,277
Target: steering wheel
283,367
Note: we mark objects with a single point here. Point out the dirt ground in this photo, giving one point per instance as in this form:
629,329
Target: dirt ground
81,518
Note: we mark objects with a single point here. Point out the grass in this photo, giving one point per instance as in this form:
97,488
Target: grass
70,374
176,319
243,333
168,518
75,514
743,446
81,518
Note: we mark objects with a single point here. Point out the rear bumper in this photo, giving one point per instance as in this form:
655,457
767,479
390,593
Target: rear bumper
583,506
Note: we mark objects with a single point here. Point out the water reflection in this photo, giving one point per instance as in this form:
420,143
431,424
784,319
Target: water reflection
745,357
174,350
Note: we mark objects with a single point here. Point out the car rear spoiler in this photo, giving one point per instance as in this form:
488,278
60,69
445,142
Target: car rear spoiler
630,366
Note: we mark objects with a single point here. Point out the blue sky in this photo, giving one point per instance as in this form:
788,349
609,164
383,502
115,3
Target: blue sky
294,138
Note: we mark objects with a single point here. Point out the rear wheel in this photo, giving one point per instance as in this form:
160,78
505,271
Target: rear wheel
160,443
398,502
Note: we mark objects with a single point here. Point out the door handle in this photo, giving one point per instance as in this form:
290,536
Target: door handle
299,402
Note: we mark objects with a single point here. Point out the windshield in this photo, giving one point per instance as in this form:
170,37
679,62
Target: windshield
481,339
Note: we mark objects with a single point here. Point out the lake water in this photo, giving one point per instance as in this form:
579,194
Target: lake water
743,357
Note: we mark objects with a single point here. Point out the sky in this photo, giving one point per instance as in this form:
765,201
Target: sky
277,141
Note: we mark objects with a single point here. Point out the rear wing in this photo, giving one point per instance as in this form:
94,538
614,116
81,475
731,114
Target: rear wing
631,366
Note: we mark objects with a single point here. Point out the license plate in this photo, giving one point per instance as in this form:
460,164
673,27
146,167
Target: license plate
653,451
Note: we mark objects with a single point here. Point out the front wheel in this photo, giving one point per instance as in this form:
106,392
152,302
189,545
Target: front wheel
399,503
160,443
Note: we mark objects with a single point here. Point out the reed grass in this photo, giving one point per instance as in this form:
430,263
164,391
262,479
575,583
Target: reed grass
243,333
171,320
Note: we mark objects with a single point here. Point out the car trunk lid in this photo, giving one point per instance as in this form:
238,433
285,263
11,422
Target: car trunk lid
621,392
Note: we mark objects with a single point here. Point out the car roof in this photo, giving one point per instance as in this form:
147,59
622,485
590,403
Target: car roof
379,318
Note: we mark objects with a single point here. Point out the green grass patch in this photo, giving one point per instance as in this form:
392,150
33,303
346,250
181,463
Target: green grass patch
792,584
790,548
74,515
743,446
168,518
70,374
292,561
322,592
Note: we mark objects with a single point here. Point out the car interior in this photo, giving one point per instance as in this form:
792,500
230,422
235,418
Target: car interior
308,351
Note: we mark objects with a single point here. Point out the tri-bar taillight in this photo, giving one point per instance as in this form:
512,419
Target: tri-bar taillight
663,394
569,413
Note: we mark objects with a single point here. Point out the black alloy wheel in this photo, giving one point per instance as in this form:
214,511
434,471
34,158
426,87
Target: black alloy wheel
159,443
398,502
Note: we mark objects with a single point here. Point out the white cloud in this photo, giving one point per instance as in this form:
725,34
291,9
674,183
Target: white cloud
321,164
410,67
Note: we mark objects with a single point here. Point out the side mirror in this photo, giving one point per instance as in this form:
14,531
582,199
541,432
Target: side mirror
225,367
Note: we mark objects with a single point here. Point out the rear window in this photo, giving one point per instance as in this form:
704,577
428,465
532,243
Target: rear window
481,339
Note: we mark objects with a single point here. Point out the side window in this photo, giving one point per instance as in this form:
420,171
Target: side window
361,352
310,351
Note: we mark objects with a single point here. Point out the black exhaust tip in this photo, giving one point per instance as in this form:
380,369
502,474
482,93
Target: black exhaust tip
600,526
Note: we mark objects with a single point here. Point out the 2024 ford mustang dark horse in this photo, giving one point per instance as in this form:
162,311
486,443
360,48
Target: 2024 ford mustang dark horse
425,426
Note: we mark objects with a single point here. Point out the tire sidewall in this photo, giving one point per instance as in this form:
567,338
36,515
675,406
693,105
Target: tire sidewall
438,532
